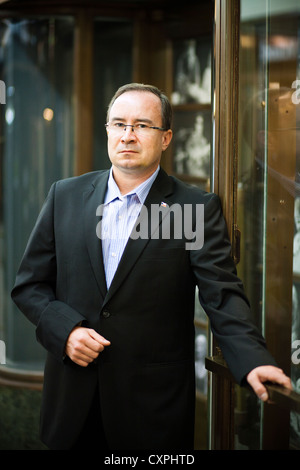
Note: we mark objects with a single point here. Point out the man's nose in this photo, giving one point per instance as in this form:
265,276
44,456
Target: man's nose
128,134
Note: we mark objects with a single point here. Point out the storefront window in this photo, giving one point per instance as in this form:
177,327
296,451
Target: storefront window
36,131
268,193
37,145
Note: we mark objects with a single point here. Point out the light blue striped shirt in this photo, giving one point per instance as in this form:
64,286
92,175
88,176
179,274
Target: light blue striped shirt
119,216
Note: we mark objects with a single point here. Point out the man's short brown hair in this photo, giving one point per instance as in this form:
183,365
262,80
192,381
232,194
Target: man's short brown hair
166,108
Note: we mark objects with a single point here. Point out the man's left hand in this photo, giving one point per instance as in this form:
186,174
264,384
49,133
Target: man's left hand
262,374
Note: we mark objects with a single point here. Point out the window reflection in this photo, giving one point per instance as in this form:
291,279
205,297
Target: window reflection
36,132
269,192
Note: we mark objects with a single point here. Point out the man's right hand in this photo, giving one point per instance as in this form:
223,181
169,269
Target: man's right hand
84,345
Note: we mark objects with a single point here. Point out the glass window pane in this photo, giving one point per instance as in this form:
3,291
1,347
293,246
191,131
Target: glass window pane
36,129
268,191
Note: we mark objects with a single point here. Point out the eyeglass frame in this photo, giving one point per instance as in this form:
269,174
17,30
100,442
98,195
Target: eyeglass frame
135,125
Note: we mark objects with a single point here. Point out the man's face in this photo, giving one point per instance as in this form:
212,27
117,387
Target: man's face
131,152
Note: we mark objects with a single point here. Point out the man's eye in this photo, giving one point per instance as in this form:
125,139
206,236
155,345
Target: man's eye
119,125
141,126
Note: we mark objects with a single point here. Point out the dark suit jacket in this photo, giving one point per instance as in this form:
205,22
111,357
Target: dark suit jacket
146,375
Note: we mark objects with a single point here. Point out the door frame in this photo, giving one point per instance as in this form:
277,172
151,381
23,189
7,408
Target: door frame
224,183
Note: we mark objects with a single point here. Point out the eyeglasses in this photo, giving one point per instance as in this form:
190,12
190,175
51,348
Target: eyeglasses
139,129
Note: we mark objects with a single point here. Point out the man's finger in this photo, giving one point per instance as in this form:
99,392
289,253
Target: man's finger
262,374
84,345
257,386
100,339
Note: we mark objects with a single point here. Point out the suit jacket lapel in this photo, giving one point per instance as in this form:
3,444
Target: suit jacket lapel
159,192
92,198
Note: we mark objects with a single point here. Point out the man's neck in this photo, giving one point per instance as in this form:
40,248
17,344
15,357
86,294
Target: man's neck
127,181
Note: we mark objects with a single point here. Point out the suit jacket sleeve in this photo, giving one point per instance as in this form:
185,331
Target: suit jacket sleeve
35,286
222,296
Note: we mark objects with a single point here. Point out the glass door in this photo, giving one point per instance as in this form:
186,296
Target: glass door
256,173
268,204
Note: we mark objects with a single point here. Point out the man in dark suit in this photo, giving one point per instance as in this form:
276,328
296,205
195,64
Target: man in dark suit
114,307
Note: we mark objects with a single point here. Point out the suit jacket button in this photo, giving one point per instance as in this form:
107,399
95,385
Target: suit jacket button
106,314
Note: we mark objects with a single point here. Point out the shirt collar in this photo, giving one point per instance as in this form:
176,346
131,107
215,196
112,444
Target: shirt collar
141,191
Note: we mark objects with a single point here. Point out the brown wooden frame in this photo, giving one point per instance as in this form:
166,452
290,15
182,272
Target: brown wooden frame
227,16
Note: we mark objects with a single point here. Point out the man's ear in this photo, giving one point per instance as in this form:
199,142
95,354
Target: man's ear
167,137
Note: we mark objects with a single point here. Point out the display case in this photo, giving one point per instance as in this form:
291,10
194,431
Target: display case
191,100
